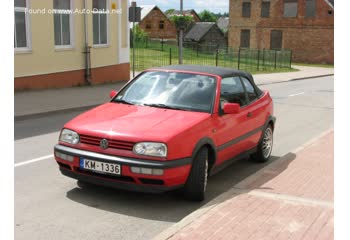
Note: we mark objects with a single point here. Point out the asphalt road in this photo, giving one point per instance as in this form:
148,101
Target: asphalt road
51,206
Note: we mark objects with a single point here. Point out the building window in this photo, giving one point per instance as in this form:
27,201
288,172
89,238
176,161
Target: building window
62,23
161,24
21,25
265,8
148,25
100,22
276,39
246,9
310,8
290,8
245,38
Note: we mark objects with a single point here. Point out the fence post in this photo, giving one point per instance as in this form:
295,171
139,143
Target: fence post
170,56
258,59
290,60
239,57
197,49
217,57
162,44
275,59
263,63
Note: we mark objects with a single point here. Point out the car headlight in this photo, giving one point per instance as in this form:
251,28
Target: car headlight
151,149
69,136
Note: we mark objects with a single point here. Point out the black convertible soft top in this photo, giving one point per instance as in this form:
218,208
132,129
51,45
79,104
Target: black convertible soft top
220,71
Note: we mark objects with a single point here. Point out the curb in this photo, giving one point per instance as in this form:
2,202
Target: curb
45,114
235,190
296,79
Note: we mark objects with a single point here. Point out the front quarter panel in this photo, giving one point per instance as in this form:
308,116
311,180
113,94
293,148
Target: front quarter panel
184,144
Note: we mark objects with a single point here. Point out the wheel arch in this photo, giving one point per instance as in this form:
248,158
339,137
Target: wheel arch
271,120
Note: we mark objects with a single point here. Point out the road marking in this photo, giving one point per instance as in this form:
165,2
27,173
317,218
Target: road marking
296,94
33,160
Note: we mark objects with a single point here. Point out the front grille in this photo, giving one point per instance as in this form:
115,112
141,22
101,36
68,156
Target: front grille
111,143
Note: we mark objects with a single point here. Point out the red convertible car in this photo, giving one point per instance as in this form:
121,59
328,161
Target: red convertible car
170,127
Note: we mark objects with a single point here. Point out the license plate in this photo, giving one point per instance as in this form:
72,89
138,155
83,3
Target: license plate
100,167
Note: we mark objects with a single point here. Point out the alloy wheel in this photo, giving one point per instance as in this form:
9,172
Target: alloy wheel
267,143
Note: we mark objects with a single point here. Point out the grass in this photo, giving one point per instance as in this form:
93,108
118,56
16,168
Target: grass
154,56
314,65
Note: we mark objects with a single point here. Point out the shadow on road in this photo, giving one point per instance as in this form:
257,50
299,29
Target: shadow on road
170,206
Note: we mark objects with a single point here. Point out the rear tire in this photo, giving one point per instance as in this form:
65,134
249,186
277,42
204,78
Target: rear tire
264,150
196,184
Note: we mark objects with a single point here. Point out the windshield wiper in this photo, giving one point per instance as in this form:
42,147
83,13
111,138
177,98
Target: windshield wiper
160,105
122,101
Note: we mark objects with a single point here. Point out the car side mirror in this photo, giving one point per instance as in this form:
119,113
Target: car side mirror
112,94
231,108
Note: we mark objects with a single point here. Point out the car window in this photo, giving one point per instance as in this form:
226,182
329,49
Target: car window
185,91
232,91
250,89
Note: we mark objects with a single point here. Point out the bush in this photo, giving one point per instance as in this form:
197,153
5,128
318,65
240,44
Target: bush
140,35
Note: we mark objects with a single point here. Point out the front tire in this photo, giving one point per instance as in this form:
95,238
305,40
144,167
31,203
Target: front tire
264,150
196,184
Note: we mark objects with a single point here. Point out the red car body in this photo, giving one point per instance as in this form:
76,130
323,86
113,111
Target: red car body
226,136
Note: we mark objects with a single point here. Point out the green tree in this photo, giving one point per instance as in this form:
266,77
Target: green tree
181,22
207,16
169,11
140,35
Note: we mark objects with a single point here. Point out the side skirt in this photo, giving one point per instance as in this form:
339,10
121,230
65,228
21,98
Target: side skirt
228,162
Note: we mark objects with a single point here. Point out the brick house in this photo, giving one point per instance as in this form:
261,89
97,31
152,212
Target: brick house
304,26
156,24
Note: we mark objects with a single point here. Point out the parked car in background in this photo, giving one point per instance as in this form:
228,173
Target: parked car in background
169,128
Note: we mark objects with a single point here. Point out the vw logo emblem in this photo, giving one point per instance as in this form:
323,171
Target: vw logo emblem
104,144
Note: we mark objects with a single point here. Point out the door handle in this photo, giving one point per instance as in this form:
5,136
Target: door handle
249,114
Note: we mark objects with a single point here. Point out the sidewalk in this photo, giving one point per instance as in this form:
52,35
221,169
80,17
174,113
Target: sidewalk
38,102
291,198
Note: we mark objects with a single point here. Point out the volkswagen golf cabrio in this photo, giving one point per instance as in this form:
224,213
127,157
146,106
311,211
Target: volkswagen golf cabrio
170,127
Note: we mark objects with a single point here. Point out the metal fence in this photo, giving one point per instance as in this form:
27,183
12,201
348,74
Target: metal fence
153,54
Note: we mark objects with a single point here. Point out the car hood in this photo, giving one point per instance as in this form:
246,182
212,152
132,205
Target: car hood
133,122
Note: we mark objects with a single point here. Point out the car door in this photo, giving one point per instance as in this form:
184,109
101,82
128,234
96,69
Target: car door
231,129
254,110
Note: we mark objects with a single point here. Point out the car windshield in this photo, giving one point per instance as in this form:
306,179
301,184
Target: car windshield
172,90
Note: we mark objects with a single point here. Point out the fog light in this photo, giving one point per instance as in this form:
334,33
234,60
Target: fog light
157,172
135,169
147,171
64,156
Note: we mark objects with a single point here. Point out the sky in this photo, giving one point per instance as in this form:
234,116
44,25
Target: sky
215,6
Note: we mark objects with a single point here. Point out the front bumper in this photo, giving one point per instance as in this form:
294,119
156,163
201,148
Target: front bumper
175,171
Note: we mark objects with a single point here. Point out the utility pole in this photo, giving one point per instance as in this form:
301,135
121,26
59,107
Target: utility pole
133,5
181,35
134,16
